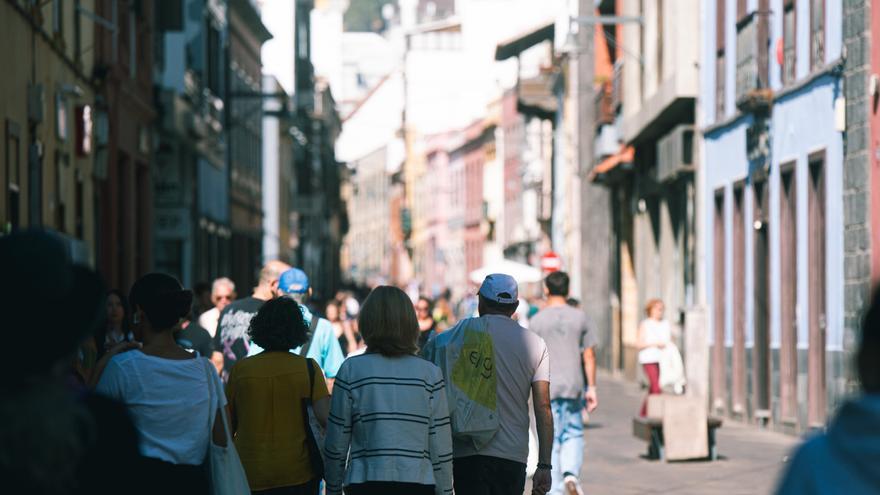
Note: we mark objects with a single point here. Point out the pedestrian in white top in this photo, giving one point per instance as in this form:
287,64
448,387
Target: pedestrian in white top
388,431
654,336
166,390
222,293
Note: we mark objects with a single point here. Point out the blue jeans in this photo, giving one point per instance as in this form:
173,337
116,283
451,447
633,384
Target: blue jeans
568,440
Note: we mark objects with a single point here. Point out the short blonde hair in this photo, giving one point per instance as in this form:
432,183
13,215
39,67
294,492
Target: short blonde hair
388,322
651,304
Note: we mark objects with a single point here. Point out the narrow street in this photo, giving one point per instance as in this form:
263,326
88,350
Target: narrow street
751,459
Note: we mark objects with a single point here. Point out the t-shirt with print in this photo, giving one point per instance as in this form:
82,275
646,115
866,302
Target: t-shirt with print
520,359
265,394
232,337
568,332
194,338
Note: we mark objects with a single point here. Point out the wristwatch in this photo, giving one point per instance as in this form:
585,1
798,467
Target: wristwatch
544,465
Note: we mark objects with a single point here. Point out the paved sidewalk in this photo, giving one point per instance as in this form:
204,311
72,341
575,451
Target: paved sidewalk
751,459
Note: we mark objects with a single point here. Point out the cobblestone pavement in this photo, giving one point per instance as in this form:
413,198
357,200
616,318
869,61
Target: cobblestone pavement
751,459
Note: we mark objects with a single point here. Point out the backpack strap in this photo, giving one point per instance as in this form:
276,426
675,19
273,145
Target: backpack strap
312,327
311,369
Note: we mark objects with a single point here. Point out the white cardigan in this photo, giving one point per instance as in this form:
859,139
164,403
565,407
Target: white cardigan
389,421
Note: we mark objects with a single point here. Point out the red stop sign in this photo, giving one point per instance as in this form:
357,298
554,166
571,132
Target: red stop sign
551,262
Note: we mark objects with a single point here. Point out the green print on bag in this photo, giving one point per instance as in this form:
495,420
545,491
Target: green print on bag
474,371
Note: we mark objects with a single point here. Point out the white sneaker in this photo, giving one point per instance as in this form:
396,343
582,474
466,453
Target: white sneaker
572,486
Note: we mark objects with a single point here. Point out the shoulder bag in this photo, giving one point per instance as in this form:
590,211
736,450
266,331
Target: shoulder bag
225,472
314,432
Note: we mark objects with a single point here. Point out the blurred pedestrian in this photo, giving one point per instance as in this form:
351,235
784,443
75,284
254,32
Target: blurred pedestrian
55,439
427,325
202,297
654,335
516,362
389,419
265,393
442,313
846,457
231,342
341,328
321,344
167,390
222,295
193,338
570,338
117,329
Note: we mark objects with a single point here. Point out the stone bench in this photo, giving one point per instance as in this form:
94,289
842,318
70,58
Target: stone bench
650,429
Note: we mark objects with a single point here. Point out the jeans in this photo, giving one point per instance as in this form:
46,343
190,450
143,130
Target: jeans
568,440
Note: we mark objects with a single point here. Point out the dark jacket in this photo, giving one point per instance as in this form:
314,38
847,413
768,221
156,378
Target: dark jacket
846,459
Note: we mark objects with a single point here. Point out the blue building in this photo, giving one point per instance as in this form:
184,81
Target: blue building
772,114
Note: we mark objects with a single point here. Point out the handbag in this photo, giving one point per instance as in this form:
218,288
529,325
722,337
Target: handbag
314,432
225,472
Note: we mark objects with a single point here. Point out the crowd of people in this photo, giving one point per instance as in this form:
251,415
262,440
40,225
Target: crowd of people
160,389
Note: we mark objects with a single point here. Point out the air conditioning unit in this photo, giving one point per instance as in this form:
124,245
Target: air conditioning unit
675,153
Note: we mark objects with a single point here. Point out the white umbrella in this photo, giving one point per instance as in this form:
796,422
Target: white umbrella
521,272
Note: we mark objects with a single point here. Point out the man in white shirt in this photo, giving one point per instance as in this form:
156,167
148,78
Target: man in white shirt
222,293
522,367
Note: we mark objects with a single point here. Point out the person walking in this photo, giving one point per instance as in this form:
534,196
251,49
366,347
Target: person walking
846,457
341,328
222,295
322,345
265,393
654,336
389,419
520,366
55,436
427,325
167,390
570,339
231,342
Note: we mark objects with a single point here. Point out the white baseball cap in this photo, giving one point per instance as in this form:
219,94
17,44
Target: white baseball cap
500,288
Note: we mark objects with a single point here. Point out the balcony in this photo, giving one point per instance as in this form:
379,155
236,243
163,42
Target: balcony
753,93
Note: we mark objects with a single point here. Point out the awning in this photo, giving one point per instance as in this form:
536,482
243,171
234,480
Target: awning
521,43
626,155
520,272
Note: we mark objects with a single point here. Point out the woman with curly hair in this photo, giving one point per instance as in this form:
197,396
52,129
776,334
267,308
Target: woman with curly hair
265,394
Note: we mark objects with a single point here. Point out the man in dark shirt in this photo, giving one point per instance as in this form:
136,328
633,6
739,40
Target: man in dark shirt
194,338
231,342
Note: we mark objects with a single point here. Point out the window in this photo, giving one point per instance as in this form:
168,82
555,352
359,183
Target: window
789,46
761,271
719,59
13,179
817,34
214,59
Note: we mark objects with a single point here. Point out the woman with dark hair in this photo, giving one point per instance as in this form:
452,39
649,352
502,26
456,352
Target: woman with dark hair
168,390
389,420
427,325
341,328
117,329
265,393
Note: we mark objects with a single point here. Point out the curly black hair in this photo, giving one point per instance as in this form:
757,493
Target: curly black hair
279,325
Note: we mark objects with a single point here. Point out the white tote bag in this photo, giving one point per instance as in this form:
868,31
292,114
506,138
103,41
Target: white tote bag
227,476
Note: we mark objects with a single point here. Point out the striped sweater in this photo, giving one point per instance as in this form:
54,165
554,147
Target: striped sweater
389,421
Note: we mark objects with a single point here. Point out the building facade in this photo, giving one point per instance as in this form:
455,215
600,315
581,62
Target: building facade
124,80
778,201
49,175
191,179
280,221
244,146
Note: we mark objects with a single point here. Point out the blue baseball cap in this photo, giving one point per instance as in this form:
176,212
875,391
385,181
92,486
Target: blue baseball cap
293,281
500,288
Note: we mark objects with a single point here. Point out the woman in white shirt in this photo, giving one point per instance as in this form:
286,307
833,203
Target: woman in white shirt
388,431
654,335
166,390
